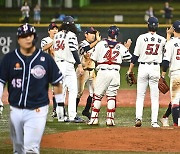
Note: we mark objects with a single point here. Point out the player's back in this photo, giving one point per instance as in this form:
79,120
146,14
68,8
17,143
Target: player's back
110,53
64,44
172,53
149,47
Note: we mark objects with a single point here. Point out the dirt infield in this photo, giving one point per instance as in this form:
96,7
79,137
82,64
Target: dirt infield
127,98
116,139
124,98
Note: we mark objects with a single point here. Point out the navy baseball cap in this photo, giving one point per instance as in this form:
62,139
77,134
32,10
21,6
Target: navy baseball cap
52,25
176,26
153,21
26,30
68,20
90,30
113,32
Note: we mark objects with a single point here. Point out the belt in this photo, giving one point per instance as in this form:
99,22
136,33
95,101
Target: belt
103,69
149,63
89,69
60,60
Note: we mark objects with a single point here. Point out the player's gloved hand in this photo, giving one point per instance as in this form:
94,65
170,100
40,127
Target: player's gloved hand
163,86
130,78
1,107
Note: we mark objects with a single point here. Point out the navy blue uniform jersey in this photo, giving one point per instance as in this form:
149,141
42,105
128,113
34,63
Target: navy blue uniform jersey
28,78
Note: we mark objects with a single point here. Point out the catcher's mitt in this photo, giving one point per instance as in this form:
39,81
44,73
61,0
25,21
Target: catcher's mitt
130,78
163,86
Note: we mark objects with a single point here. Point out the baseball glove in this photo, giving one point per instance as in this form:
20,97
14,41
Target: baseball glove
130,78
163,86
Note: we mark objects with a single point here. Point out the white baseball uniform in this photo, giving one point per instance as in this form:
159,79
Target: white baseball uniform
88,66
108,55
64,44
149,49
172,55
46,41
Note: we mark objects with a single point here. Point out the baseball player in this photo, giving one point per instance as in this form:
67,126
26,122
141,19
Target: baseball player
164,120
86,48
46,45
28,72
148,52
171,60
108,54
65,46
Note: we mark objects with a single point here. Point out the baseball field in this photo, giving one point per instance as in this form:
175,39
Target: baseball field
74,138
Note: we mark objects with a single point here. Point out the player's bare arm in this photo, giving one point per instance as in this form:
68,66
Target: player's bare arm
98,38
58,88
47,46
130,68
128,43
80,70
169,32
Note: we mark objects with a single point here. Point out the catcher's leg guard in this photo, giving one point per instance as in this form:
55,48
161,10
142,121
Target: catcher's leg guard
111,110
95,110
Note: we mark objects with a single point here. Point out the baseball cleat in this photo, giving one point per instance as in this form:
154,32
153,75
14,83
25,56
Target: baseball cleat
155,125
93,121
87,114
75,120
165,122
110,122
78,120
138,123
63,119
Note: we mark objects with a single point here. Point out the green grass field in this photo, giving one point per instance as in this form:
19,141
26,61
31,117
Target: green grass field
125,117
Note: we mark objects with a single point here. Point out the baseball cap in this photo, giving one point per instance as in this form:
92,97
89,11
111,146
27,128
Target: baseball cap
52,25
24,32
90,30
113,32
176,26
68,20
153,21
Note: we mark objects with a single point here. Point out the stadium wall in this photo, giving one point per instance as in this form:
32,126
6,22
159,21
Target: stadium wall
8,39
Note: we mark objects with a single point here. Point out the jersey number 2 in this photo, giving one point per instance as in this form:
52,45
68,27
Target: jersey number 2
150,49
109,56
